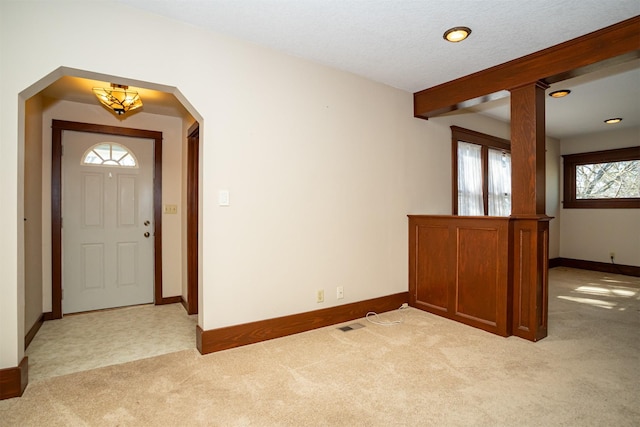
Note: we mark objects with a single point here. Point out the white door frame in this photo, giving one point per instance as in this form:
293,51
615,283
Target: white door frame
58,126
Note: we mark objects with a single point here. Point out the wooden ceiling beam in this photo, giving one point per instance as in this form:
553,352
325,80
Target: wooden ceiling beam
611,45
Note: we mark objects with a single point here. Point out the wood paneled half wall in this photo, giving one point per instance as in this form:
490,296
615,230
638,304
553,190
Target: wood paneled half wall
463,268
458,268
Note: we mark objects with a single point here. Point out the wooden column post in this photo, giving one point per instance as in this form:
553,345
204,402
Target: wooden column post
528,149
529,247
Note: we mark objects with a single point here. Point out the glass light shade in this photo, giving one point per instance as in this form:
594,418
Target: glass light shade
118,99
560,93
613,121
457,34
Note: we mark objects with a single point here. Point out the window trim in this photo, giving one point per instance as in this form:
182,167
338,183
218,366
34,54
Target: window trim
478,138
570,161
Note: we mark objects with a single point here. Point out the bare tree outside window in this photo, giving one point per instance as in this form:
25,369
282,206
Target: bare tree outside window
602,179
614,180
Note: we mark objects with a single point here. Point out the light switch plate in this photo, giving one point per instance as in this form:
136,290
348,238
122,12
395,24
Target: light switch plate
223,198
171,209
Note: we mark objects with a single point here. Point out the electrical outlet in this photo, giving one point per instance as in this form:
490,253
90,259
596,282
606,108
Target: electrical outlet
339,292
320,295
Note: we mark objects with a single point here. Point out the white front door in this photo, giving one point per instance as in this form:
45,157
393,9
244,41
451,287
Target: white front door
107,228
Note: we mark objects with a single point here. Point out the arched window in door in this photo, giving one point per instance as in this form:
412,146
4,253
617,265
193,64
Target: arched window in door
109,154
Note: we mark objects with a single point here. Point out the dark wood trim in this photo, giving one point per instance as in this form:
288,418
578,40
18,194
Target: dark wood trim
600,49
468,135
157,218
454,175
555,262
33,331
605,267
250,333
170,300
57,128
13,381
193,177
571,161
106,129
184,304
484,153
56,221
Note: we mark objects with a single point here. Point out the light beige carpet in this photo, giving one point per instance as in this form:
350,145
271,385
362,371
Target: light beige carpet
427,371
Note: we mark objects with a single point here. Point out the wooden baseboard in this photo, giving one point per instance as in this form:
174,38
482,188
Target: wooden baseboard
13,381
627,270
169,300
185,304
250,333
555,262
33,331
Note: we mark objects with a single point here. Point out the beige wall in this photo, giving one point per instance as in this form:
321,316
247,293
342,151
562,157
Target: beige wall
590,234
322,166
552,166
33,212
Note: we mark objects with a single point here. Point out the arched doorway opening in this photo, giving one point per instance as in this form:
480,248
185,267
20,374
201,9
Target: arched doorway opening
68,93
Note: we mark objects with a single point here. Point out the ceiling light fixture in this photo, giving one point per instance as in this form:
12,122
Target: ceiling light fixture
613,121
456,34
118,98
560,93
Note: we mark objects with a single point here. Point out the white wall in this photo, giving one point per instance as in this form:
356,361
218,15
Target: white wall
590,234
171,128
322,166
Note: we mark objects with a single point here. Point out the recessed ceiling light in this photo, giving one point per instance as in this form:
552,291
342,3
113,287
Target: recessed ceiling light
456,34
613,121
560,93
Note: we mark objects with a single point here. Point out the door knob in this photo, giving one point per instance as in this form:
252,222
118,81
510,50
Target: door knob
146,234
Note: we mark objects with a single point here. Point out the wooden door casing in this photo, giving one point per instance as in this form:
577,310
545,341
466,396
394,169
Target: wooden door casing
193,188
57,129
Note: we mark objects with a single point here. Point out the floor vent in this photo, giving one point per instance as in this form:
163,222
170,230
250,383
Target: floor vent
351,327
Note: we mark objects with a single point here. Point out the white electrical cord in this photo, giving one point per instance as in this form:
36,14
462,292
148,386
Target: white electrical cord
372,317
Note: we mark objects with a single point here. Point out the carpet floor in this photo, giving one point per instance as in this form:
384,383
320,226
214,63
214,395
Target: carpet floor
425,371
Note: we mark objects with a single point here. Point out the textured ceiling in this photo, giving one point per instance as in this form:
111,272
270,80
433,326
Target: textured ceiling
399,43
